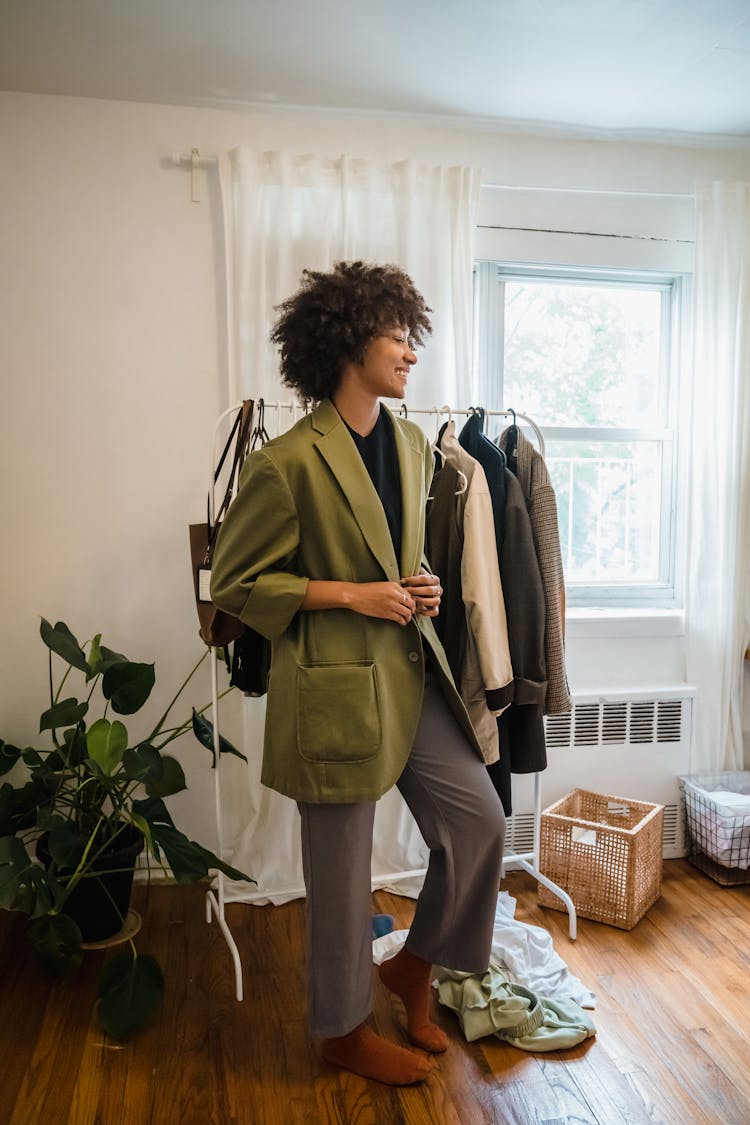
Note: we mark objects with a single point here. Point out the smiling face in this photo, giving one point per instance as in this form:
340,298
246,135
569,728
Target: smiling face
386,363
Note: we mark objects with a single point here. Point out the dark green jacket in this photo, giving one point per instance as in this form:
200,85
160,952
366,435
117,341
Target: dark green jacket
345,690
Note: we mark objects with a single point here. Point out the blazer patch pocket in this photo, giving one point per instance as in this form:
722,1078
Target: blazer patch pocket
338,712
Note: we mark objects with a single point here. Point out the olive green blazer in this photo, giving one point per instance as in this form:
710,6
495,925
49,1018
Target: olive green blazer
345,690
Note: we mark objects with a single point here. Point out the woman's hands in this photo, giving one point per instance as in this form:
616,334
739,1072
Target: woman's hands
388,600
426,591
399,602
391,601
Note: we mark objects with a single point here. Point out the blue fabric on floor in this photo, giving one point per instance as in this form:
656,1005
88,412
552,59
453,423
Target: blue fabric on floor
381,924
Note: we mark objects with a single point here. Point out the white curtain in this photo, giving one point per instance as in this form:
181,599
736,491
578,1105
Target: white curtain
718,596
284,213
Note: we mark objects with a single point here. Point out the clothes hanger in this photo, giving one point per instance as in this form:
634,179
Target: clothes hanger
439,411
260,433
480,413
511,445
437,452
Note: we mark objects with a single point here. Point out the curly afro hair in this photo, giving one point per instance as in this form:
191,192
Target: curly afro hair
332,318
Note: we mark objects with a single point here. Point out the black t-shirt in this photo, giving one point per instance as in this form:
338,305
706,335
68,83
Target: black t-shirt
379,453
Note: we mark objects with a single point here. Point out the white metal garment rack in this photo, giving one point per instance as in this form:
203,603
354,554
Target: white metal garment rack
215,897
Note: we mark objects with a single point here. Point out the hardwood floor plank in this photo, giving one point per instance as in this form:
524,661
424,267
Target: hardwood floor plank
602,1085
684,1073
507,1064
183,1086
344,1099
537,1103
513,1104
300,1061
660,1111
25,994
50,1081
699,1072
226,1033
434,1101
100,1094
455,1092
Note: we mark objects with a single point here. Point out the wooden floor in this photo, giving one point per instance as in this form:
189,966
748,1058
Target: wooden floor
673,1022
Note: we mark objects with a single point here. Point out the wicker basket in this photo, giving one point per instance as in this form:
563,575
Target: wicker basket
606,852
718,835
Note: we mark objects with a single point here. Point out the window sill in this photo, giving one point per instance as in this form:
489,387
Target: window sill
612,622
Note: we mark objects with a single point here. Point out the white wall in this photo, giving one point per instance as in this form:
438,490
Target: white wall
111,320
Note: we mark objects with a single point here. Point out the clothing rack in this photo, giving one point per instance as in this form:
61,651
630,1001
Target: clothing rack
215,897
527,861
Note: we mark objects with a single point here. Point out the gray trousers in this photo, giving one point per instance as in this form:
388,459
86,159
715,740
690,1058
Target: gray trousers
459,814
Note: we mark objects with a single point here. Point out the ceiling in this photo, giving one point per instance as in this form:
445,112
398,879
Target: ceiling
669,69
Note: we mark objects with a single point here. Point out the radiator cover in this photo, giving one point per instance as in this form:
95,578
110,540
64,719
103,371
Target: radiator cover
629,743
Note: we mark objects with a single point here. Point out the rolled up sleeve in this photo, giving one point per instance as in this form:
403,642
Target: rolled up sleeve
253,572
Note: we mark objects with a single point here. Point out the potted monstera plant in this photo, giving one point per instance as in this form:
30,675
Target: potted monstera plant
81,808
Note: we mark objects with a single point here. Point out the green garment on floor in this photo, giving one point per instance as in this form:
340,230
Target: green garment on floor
491,1004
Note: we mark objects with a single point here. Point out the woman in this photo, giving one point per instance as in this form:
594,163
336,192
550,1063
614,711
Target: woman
322,552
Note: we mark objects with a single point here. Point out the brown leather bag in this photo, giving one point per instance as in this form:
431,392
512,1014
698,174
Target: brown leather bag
218,628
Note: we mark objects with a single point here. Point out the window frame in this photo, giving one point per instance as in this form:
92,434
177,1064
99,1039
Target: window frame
490,276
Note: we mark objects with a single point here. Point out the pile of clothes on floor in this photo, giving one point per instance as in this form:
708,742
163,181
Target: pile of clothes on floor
527,997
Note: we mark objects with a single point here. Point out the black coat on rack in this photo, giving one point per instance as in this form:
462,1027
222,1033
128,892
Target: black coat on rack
473,439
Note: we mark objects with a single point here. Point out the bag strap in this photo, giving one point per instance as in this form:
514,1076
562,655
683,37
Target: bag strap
228,446
240,450
243,442
240,436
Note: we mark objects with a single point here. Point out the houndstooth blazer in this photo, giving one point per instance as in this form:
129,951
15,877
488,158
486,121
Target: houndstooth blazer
542,505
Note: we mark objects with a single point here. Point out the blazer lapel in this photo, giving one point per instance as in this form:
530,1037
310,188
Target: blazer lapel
340,454
413,500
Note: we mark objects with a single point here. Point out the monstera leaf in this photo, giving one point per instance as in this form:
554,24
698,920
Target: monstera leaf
61,641
106,743
128,686
129,994
57,940
25,885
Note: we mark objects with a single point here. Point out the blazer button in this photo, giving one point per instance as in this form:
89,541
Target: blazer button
414,657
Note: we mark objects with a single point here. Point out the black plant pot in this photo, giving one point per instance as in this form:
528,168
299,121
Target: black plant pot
98,904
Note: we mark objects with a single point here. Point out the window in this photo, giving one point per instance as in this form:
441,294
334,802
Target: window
590,356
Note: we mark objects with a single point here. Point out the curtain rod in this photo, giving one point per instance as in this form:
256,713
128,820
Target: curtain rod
196,160
592,191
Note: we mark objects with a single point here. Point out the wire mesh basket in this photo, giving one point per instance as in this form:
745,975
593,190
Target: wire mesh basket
717,817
